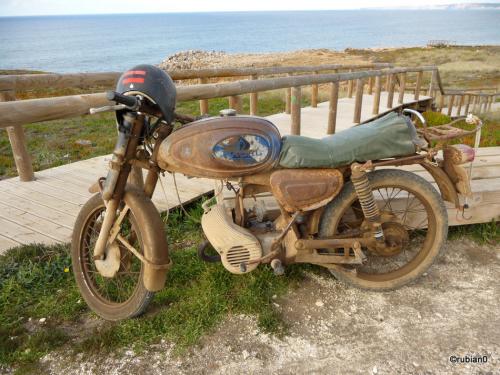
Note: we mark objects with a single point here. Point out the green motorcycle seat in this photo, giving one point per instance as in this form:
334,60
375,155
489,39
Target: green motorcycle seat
389,136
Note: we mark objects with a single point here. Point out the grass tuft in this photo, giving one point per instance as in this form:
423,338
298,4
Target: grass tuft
197,297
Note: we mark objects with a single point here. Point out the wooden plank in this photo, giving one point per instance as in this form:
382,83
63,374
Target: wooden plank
66,219
63,196
21,234
42,226
7,243
48,201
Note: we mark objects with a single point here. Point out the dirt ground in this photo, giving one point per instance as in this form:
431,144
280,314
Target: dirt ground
453,310
459,66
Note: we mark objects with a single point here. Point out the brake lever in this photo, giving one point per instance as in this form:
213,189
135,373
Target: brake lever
106,108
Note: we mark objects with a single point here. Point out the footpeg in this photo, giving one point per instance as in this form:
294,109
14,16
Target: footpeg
277,267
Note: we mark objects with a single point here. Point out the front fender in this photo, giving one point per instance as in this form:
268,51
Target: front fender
154,240
446,186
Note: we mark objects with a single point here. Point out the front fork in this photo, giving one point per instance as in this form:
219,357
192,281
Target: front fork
129,134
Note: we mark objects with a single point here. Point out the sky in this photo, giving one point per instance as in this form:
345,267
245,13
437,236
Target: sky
59,7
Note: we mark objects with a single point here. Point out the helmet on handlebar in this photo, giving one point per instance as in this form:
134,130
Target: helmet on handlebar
152,83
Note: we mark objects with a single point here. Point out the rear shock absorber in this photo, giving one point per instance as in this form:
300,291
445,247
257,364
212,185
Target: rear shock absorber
363,189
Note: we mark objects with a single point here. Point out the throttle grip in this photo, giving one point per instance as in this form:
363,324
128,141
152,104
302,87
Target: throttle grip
129,101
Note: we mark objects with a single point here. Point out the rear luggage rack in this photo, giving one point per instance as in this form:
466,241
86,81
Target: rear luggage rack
445,132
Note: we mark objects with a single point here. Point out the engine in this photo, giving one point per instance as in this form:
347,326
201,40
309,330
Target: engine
240,248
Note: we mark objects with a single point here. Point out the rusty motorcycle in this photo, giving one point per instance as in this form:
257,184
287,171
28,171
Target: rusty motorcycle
340,202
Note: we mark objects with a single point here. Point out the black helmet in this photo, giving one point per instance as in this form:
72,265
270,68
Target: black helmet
152,83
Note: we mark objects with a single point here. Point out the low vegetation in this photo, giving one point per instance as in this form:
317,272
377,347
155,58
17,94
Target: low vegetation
41,309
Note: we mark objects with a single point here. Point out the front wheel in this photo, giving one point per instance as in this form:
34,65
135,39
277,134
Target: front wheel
113,298
415,225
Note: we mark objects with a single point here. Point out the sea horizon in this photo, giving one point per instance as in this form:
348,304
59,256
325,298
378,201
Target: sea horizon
114,42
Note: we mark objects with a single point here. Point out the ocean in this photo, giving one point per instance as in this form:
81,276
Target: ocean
97,43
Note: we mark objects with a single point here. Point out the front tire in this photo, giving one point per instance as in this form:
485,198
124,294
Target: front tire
123,296
343,216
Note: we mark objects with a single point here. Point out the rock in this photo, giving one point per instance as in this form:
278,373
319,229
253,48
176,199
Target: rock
245,354
192,59
319,303
274,296
375,370
129,353
42,320
83,142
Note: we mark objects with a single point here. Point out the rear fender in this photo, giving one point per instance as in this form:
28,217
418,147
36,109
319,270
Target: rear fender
443,181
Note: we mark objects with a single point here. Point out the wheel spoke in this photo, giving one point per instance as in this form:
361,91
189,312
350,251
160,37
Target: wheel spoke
121,287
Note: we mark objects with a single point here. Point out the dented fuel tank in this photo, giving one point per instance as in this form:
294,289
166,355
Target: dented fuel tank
221,147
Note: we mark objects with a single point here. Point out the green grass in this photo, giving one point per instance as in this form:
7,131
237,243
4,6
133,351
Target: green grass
37,282
484,233
490,133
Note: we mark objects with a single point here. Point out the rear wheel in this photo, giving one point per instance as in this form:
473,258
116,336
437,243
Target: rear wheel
113,298
415,228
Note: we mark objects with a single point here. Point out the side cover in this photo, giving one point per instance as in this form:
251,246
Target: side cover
305,189
221,147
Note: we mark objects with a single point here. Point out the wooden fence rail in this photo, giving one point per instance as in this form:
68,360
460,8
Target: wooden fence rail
15,114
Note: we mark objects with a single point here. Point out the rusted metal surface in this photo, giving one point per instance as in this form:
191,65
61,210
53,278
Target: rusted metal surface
220,148
305,189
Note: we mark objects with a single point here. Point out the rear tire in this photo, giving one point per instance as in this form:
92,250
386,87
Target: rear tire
337,211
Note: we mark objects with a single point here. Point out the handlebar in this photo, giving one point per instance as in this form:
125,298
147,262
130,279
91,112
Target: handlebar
418,114
130,101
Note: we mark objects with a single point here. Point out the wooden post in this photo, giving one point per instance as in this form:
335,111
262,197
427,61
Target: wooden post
350,86
450,104
387,82
390,93
314,94
474,103
376,97
358,102
332,113
370,85
295,109
460,104
431,84
467,105
482,106
18,144
418,84
402,84
441,102
288,100
203,102
254,100
492,98
235,103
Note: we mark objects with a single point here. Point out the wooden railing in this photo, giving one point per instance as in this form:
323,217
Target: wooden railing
15,114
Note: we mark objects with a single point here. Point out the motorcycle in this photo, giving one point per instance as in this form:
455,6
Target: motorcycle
339,202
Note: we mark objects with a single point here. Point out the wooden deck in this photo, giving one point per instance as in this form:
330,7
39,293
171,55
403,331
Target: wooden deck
44,211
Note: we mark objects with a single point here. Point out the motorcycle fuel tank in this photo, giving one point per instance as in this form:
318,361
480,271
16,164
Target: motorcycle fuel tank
222,147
